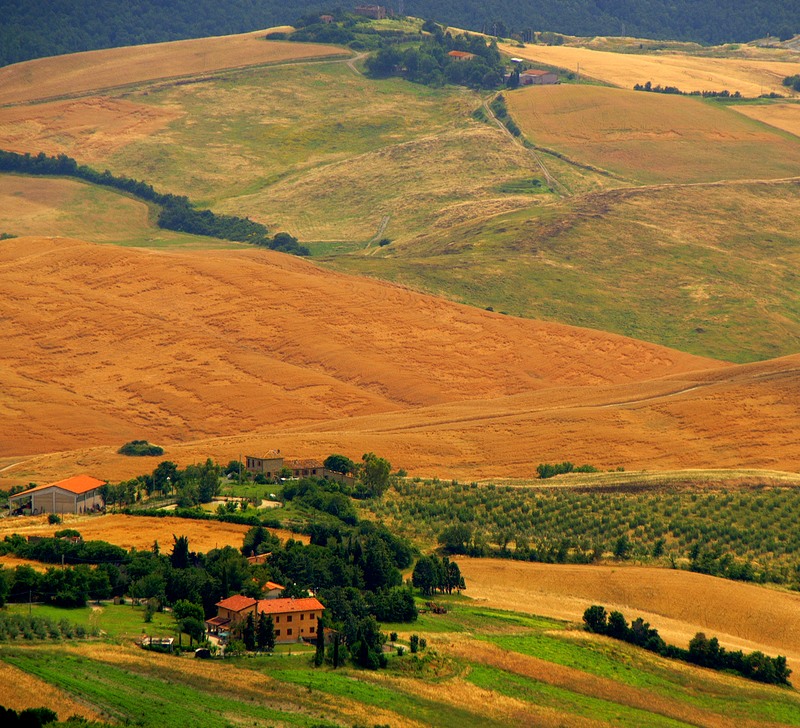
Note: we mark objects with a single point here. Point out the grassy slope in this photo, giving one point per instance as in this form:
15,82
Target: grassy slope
334,157
703,269
544,673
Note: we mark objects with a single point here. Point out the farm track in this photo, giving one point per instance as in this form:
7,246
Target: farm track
551,180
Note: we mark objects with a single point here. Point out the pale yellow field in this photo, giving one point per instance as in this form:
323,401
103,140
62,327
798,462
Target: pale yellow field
131,532
678,603
780,115
652,137
20,690
78,73
689,73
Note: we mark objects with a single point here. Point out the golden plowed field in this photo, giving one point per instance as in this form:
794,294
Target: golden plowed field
781,115
138,532
689,73
652,138
122,343
242,351
90,128
677,603
78,73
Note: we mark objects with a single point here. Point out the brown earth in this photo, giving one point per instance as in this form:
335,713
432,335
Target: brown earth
677,603
79,73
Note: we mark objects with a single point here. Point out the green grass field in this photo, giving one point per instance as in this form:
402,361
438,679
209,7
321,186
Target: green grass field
450,683
708,270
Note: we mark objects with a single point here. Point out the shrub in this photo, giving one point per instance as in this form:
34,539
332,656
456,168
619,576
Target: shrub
140,448
54,518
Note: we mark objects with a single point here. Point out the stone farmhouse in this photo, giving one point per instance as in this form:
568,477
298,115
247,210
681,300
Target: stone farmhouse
272,463
376,12
294,619
78,494
536,77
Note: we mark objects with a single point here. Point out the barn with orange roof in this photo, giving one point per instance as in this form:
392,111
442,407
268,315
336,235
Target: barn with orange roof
78,494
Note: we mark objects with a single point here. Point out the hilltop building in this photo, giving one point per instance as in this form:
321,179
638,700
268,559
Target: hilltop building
461,55
78,494
376,12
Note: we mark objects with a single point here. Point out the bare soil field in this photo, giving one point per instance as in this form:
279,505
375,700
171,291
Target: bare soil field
139,532
90,128
652,138
687,72
677,603
780,115
79,73
264,337
20,690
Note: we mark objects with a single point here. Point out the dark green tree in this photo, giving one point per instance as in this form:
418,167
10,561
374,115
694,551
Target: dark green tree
265,638
339,464
375,474
249,632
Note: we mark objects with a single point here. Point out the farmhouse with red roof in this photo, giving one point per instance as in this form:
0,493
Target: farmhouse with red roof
294,619
79,494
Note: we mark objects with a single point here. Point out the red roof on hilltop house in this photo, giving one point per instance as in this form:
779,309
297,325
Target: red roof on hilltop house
535,72
272,585
76,484
282,606
236,603
460,54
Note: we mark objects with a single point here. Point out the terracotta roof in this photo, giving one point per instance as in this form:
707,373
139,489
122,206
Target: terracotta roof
460,54
77,484
287,606
236,603
535,72
303,464
218,621
273,585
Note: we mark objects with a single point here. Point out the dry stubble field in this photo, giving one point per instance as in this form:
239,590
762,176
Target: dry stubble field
688,72
677,603
652,138
140,532
75,74
780,115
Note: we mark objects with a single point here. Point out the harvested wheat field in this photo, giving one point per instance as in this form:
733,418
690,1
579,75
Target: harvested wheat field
677,603
136,532
688,73
20,690
94,357
78,73
90,128
780,115
652,138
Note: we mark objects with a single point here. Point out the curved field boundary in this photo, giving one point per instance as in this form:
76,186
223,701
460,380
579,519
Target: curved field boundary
689,73
677,603
80,73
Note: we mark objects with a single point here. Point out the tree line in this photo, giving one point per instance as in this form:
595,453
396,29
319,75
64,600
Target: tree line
674,90
50,27
176,212
703,651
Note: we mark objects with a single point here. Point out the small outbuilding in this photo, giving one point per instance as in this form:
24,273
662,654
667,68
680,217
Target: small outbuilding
79,494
